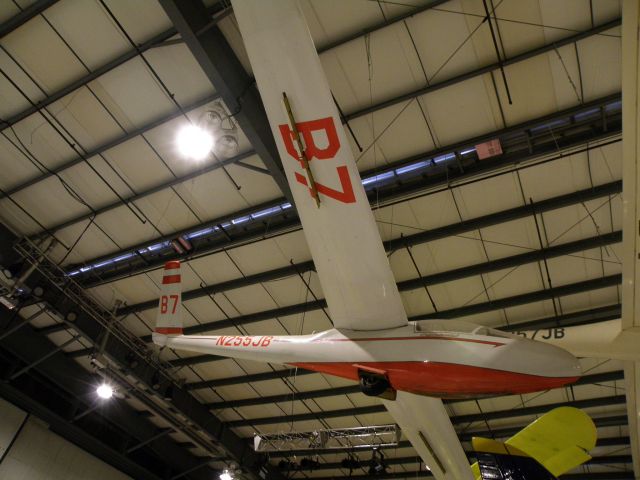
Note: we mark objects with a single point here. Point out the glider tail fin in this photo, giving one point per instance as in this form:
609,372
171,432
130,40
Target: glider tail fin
169,319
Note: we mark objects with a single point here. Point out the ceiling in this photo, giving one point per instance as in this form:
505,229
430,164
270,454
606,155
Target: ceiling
92,95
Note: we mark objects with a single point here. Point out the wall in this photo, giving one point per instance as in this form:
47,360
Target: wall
29,451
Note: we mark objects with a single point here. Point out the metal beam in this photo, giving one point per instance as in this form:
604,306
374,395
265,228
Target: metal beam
303,417
102,148
28,347
456,419
465,436
600,422
33,10
601,460
286,397
515,154
612,441
537,409
288,223
374,28
160,434
433,279
582,317
230,79
512,261
195,360
410,475
171,32
267,276
75,434
487,69
503,216
469,143
158,188
515,300
122,349
160,39
601,442
256,377
82,81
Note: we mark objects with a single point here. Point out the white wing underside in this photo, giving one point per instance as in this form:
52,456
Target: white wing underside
425,423
341,231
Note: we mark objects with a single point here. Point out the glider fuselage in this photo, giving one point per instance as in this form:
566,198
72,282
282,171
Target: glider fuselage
441,363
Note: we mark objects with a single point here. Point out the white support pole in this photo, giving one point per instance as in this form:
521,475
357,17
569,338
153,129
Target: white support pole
631,209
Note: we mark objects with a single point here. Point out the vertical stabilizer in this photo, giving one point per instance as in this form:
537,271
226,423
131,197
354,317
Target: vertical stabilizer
169,319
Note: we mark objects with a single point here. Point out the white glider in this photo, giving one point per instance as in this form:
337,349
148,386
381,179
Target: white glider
410,365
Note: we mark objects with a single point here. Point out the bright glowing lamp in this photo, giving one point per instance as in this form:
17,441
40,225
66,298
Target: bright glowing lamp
226,475
194,142
105,391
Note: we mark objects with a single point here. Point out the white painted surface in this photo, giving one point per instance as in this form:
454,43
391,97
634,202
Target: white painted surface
502,353
341,232
12,417
425,422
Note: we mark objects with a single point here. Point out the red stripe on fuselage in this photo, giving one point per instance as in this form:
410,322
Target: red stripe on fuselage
172,264
169,330
387,339
170,279
445,380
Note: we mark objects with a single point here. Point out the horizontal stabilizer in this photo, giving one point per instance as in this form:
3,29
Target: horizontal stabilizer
559,440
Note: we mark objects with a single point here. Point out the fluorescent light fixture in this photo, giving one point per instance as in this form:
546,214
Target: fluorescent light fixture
226,475
266,211
411,167
155,246
378,178
194,142
200,233
105,391
444,158
102,264
236,221
122,257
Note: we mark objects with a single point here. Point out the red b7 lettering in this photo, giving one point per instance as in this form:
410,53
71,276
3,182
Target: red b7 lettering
164,303
344,193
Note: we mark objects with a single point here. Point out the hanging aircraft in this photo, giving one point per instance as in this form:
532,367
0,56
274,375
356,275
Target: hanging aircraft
410,365
554,444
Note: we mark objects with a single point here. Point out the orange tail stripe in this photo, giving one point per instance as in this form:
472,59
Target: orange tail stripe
170,279
172,264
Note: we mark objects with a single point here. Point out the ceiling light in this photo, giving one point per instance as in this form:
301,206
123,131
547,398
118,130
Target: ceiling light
104,391
194,142
226,475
